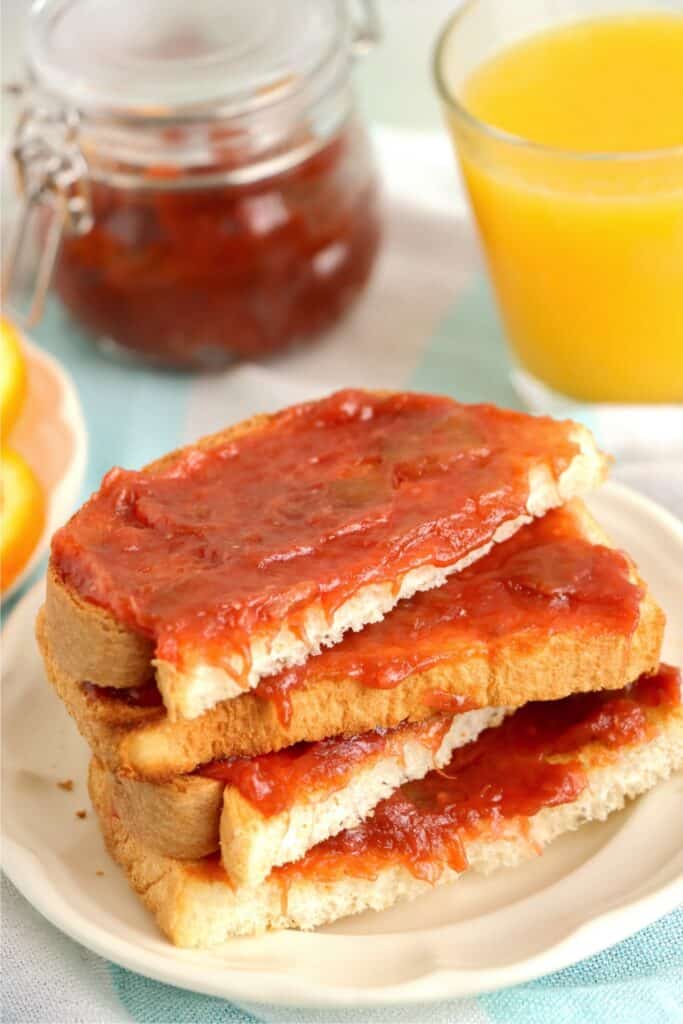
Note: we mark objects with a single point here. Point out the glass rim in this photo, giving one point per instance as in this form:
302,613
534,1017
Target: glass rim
519,141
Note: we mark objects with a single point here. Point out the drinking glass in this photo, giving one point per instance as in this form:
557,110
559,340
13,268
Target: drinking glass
585,250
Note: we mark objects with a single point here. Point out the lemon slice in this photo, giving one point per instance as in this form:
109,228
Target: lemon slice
12,377
22,515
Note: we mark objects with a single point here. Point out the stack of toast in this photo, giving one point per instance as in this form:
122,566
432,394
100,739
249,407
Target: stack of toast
330,658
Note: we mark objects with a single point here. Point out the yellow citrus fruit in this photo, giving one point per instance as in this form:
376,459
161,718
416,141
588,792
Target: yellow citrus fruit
12,377
22,515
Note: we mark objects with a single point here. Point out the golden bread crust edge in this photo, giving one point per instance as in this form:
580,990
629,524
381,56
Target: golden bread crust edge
179,819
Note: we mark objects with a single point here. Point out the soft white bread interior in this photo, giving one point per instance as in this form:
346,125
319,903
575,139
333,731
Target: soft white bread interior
191,816
88,644
197,907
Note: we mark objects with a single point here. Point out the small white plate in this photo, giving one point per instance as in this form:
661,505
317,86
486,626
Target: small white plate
588,891
51,435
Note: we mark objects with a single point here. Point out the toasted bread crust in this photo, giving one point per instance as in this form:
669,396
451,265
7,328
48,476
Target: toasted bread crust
141,743
180,818
83,638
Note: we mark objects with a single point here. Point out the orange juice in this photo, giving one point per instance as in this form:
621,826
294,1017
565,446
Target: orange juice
583,226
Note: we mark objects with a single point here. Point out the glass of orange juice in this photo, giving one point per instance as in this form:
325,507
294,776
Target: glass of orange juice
567,118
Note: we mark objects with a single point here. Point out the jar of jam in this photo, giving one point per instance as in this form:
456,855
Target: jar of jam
203,183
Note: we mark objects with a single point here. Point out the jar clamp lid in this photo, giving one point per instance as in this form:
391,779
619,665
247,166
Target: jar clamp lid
101,75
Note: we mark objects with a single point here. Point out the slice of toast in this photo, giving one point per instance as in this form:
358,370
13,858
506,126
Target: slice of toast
196,906
88,642
190,816
142,743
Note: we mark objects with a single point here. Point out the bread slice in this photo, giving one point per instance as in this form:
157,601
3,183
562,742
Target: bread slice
196,906
142,743
182,818
87,643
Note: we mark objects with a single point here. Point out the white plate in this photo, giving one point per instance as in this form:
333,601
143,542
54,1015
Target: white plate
51,435
588,891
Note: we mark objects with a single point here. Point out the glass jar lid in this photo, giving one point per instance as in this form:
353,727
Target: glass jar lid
173,58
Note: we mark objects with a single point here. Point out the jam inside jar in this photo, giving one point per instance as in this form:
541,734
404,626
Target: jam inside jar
219,185
197,276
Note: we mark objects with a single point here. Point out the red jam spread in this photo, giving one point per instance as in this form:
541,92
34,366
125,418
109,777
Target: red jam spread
527,763
354,489
546,577
193,276
273,782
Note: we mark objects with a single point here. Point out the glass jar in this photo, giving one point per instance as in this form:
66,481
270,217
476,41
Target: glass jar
206,186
